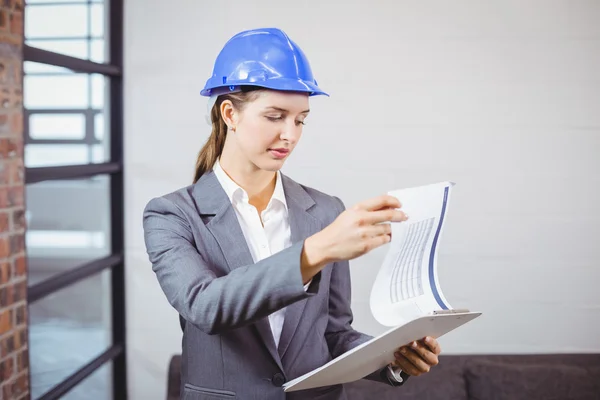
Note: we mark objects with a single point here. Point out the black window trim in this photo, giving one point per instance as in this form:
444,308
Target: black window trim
114,167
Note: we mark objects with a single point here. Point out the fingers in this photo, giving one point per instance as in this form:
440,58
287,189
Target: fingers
433,345
376,217
377,203
377,241
406,366
376,230
417,358
376,235
410,362
424,353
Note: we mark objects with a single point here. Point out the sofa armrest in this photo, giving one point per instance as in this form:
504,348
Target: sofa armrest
174,378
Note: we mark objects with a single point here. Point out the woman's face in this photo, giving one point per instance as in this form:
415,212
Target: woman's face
268,128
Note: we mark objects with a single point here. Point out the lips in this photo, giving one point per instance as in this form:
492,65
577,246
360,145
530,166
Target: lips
279,153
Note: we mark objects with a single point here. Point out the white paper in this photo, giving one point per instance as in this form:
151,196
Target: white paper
407,286
406,294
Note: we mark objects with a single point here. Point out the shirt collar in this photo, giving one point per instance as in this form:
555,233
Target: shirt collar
235,192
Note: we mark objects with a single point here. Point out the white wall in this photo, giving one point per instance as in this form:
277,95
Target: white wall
502,97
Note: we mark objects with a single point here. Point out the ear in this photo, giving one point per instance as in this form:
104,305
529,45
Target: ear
229,114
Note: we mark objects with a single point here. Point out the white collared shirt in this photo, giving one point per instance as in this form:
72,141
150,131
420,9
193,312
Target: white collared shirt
262,241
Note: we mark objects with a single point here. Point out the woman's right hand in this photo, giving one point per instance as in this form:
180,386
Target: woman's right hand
355,232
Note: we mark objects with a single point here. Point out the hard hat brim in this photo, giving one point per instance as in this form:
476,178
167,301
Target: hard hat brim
280,84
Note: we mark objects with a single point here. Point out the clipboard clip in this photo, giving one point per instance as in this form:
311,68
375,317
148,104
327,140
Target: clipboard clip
453,311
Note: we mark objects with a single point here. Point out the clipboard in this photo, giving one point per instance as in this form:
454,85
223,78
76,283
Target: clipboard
406,295
379,352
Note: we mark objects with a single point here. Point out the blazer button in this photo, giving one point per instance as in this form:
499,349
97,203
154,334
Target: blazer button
278,380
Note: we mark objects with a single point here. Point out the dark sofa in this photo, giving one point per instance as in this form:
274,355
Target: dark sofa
479,377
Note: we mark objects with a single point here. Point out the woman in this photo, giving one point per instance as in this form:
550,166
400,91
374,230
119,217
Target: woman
255,263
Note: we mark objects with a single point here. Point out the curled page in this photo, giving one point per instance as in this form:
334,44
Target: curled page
406,295
406,286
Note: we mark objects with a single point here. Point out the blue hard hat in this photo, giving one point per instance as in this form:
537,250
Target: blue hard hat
261,57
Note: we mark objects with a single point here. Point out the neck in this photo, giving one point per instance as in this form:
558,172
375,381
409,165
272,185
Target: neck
258,183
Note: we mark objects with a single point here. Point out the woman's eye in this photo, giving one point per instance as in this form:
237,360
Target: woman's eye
277,118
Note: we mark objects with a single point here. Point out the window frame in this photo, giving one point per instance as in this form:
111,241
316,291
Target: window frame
112,69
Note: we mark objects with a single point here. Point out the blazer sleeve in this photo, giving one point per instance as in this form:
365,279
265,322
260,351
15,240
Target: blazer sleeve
340,335
216,304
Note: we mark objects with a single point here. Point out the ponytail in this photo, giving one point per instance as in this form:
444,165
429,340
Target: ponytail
213,148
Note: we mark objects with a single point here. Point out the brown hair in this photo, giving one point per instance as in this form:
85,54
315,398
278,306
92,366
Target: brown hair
212,149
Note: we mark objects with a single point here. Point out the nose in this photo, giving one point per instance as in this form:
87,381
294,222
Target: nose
291,132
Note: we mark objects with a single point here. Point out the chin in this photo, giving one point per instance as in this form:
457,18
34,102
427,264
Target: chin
270,164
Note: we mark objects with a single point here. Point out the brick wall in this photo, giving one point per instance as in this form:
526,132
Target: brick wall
14,358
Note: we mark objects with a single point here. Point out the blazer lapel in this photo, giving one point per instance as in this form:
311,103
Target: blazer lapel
302,225
224,226
213,204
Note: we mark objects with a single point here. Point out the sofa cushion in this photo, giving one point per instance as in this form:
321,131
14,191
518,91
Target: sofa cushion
489,380
445,381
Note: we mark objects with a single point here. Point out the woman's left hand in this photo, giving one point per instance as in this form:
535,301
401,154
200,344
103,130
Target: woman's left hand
418,357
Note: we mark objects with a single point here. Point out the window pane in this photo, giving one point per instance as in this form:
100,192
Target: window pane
75,48
97,386
99,126
68,225
57,126
93,49
98,49
75,93
98,153
67,329
47,21
98,88
52,92
30,67
82,35
97,20
54,155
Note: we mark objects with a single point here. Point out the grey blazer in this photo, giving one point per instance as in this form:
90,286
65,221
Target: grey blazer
200,257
